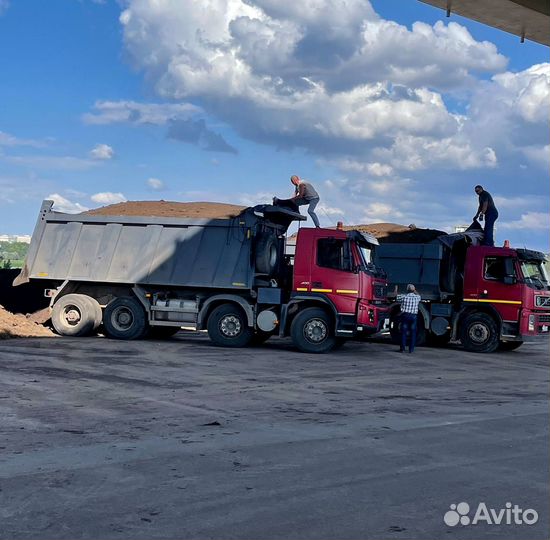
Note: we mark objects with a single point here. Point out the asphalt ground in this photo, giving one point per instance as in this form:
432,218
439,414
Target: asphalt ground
104,439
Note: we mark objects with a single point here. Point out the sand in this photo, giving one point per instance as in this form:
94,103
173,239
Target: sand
204,210
393,233
13,326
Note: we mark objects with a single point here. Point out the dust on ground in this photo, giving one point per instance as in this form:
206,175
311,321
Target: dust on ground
203,210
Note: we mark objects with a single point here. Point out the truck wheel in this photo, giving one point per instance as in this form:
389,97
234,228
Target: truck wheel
479,333
267,255
98,312
125,318
74,315
510,345
312,331
227,326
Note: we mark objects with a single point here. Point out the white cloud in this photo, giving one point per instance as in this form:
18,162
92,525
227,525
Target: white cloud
155,184
4,5
102,152
61,204
10,140
529,220
108,197
112,112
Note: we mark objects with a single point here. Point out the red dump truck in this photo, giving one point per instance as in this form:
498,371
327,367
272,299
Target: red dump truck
137,275
487,297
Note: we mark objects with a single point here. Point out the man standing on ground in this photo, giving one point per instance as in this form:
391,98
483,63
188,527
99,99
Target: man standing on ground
488,211
409,313
305,194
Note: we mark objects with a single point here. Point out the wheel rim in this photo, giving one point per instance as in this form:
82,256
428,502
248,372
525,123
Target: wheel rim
72,315
230,326
479,333
122,318
315,330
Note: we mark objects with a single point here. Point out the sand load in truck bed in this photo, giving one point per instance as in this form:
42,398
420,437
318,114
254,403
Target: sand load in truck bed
393,233
203,210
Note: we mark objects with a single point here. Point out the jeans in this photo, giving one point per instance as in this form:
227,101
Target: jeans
408,324
488,229
311,210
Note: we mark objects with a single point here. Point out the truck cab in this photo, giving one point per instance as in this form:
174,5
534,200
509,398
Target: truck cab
334,272
507,288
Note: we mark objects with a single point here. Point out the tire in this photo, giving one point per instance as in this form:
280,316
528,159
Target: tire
74,315
125,318
312,331
479,333
97,311
163,332
228,327
510,345
395,329
267,255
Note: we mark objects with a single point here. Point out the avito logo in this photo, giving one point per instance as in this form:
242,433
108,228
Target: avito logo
510,515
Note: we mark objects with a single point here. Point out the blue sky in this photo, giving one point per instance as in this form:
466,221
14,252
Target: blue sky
393,111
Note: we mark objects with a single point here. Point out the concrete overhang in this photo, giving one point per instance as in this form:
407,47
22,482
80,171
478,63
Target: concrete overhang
528,19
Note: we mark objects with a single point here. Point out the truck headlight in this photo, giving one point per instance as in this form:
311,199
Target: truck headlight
531,323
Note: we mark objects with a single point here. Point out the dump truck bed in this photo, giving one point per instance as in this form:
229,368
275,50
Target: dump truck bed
171,252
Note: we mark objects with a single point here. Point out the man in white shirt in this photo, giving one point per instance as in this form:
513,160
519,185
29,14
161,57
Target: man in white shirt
409,313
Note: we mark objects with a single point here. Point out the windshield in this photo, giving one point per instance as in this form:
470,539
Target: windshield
366,254
534,273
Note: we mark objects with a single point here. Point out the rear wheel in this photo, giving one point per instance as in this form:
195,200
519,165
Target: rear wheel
479,333
75,315
312,331
125,318
227,326
510,345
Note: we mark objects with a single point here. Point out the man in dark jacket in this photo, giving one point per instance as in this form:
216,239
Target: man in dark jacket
305,194
488,211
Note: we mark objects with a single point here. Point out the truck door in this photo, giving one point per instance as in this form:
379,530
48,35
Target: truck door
498,285
333,273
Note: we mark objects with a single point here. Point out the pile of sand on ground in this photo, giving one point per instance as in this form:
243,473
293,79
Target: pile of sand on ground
202,210
393,233
15,325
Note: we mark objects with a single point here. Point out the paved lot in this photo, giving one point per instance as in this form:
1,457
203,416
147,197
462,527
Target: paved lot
179,439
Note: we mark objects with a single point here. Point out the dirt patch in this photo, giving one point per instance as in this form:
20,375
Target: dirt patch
203,210
15,325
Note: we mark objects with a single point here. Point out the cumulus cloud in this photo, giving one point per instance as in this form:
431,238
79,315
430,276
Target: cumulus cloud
107,197
530,220
155,184
62,204
11,140
102,152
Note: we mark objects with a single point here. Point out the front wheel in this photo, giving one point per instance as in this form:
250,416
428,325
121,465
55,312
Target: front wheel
479,333
125,318
227,327
312,331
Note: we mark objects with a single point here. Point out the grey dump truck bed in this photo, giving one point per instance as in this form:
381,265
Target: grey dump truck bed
170,252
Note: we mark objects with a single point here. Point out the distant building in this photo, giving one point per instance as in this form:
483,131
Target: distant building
11,238
460,228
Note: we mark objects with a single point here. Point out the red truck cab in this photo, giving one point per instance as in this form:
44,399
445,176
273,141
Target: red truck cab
333,271
506,298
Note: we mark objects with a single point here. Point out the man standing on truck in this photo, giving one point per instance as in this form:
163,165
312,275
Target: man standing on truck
488,211
409,313
305,193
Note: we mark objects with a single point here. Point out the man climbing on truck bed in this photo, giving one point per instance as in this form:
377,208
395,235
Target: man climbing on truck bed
305,194
488,211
